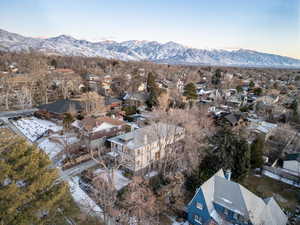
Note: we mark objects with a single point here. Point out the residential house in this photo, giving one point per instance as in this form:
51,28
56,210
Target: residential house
92,81
58,108
144,147
180,85
221,201
261,127
95,131
13,68
233,119
137,98
142,86
113,103
292,162
106,85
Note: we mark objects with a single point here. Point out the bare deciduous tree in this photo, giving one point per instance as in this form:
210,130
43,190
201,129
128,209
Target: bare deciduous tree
140,203
104,190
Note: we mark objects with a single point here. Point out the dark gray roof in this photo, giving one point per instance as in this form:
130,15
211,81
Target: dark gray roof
233,118
293,156
237,198
61,106
110,100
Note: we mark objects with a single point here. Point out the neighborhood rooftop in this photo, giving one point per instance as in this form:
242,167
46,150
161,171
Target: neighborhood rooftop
233,196
146,135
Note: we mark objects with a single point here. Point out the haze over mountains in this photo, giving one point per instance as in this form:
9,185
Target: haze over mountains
170,52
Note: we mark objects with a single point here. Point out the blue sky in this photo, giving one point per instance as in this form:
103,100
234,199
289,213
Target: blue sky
266,25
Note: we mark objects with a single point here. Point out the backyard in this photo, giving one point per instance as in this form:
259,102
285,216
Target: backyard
286,195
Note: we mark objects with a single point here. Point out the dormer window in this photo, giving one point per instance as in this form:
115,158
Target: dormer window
235,216
198,219
199,205
226,212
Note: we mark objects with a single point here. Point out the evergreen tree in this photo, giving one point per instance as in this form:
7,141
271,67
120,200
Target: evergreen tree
239,88
251,84
151,83
209,165
228,151
295,113
257,91
190,91
216,78
54,63
153,91
28,192
68,119
129,109
257,149
233,152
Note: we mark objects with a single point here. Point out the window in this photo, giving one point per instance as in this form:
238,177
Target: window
235,216
138,163
157,155
226,212
199,205
198,219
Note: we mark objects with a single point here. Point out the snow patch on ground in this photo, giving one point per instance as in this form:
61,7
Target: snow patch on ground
174,222
54,144
82,199
151,174
120,181
50,148
34,128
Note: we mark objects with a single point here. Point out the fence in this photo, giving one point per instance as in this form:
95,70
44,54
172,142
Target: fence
281,175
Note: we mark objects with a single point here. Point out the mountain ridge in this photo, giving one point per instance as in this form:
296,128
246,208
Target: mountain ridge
169,52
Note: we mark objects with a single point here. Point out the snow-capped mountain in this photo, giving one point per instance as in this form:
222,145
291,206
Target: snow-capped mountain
169,52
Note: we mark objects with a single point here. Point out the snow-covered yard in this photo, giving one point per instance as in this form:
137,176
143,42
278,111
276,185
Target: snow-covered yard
51,148
174,222
33,128
82,199
54,144
119,180
152,173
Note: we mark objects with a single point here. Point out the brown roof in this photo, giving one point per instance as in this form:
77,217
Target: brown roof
61,70
89,123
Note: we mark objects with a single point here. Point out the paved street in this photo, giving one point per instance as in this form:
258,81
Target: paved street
10,114
66,174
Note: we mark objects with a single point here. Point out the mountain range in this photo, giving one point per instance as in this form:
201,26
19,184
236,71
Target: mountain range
170,52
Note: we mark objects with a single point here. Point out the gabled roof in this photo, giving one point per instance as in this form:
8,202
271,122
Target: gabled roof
147,135
292,157
61,106
274,214
233,118
136,96
90,123
237,198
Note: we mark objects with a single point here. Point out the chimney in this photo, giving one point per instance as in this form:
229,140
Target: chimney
228,174
145,139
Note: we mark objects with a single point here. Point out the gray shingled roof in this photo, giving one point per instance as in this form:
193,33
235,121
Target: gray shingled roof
237,198
61,106
146,135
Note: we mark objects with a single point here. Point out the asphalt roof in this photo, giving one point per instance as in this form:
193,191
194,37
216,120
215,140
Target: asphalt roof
146,135
61,106
293,156
238,199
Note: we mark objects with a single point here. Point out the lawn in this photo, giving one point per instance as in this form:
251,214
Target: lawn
287,196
